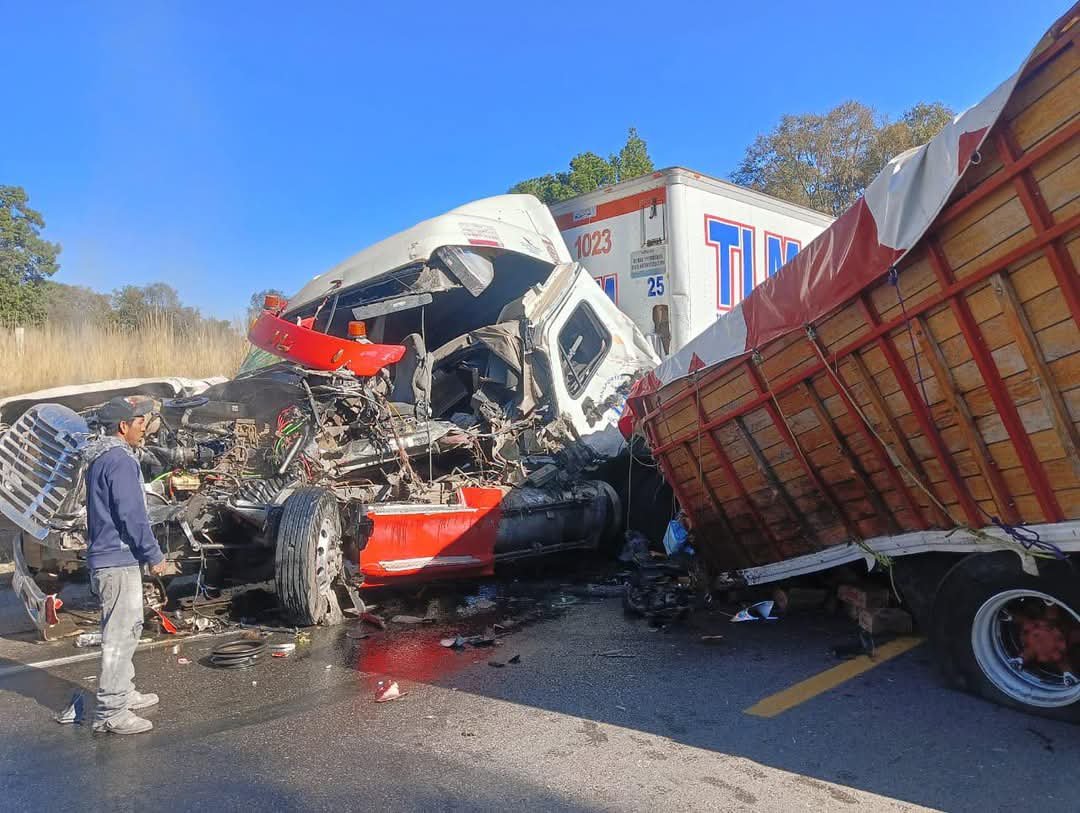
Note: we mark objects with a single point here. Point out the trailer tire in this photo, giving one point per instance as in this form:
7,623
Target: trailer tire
986,609
308,557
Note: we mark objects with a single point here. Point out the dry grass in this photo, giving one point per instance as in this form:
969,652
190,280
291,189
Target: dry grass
55,355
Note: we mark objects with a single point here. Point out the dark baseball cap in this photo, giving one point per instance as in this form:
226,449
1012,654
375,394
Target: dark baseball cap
126,408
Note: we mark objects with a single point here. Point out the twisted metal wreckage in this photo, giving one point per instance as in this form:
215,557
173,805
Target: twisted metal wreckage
346,452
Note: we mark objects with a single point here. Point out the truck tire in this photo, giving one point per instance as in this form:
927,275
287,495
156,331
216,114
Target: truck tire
1010,637
308,557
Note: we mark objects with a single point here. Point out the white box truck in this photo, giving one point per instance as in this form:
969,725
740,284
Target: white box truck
675,249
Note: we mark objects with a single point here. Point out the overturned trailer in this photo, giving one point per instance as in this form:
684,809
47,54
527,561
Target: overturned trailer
906,392
435,404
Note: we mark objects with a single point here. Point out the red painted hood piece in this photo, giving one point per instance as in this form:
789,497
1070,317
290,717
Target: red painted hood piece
319,351
419,543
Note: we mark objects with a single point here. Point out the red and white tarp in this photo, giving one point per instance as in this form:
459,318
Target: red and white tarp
859,247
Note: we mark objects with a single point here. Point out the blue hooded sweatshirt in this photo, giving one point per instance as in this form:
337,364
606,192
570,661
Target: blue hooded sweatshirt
118,527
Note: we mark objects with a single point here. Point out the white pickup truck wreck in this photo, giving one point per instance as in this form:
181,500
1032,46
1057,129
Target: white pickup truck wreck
434,404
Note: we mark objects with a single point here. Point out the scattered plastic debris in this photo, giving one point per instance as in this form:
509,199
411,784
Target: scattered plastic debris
279,654
74,712
183,661
175,649
87,639
167,626
387,690
762,611
373,619
453,643
614,653
676,538
563,601
286,648
407,619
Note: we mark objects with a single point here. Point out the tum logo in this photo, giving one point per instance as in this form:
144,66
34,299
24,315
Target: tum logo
736,269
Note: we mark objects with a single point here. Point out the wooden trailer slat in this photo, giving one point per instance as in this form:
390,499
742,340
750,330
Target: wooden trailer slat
885,520
1051,397
1002,499
1042,220
774,482
1005,407
922,414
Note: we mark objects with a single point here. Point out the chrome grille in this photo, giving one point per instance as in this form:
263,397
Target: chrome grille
40,465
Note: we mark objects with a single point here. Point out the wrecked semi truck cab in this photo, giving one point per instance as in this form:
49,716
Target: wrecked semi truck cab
435,404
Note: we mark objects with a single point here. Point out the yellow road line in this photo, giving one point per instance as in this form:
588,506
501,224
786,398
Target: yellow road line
792,696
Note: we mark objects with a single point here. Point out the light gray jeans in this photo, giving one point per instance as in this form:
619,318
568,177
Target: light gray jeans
121,594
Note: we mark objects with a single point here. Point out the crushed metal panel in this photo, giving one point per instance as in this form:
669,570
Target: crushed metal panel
409,541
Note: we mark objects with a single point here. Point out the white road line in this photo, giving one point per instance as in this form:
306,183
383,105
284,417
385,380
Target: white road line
19,668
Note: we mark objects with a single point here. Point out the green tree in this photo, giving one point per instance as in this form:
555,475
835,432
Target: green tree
76,304
825,162
26,260
588,171
633,159
133,305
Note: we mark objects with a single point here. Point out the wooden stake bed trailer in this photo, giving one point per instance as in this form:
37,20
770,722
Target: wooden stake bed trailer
895,397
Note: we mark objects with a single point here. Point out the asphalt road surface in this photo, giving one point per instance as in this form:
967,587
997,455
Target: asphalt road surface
661,726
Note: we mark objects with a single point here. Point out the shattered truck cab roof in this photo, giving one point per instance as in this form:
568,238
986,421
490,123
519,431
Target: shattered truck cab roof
516,223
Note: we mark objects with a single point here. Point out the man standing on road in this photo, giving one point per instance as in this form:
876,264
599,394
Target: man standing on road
119,541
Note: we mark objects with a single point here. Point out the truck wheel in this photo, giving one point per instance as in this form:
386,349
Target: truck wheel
308,557
1010,637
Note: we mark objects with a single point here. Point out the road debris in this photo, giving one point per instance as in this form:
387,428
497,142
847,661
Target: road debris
453,643
711,639
282,649
614,653
387,690
88,639
409,619
75,711
237,654
635,549
761,611
183,661
373,619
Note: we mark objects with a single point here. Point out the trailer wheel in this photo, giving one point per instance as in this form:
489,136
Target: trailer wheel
308,557
1010,637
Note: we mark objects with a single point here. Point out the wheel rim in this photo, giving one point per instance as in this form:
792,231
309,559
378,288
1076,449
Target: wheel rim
1022,641
328,556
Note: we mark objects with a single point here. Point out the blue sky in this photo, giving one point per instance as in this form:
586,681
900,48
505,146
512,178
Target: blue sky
229,147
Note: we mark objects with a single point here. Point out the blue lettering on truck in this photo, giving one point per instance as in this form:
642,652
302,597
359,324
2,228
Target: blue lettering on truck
779,251
734,246
733,243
